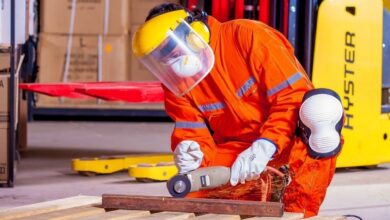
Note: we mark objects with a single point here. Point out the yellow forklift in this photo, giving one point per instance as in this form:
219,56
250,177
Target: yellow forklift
351,56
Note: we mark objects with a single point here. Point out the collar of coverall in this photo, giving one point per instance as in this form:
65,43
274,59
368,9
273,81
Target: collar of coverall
214,26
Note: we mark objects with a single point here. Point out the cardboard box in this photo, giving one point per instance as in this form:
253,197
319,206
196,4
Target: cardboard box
4,98
4,103
140,8
90,16
87,55
4,62
90,60
4,118
3,152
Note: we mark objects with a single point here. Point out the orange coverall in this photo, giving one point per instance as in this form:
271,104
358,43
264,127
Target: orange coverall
253,91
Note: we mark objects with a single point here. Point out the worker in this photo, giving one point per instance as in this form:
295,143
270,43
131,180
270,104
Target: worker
236,94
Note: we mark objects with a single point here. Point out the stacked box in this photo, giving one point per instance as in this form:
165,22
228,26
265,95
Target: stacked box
4,119
108,17
4,97
84,40
3,153
5,109
4,62
92,58
4,91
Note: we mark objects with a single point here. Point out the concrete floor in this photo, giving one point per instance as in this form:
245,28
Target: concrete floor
44,172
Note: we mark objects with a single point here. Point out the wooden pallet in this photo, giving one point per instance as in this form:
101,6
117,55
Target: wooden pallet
90,208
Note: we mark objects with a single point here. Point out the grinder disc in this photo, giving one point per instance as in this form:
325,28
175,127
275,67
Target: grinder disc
179,186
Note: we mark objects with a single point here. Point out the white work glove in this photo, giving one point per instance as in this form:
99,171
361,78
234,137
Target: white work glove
251,162
187,156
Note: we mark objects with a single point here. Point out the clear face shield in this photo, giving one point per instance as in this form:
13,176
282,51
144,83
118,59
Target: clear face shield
182,60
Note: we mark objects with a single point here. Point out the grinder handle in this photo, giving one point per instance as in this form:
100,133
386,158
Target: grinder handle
209,177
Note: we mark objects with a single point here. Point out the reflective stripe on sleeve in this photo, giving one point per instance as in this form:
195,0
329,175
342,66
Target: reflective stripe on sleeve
190,124
244,88
211,107
284,84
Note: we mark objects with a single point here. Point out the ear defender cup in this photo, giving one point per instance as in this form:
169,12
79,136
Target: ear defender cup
194,43
320,122
198,21
201,29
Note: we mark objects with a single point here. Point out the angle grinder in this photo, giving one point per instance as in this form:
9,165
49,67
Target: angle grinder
203,178
210,177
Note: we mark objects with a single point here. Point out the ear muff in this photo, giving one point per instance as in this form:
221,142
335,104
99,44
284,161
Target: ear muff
201,29
198,21
194,42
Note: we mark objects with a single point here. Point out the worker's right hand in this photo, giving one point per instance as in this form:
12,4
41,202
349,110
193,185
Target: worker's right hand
188,156
251,162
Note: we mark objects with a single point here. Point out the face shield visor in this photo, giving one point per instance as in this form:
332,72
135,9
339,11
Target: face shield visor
182,59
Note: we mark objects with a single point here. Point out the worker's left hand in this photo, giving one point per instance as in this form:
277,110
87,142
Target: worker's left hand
251,162
188,156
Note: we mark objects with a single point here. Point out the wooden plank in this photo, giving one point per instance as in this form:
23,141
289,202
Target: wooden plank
218,216
67,214
118,215
216,206
45,207
286,216
168,216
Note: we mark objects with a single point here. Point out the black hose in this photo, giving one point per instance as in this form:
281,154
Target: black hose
353,216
